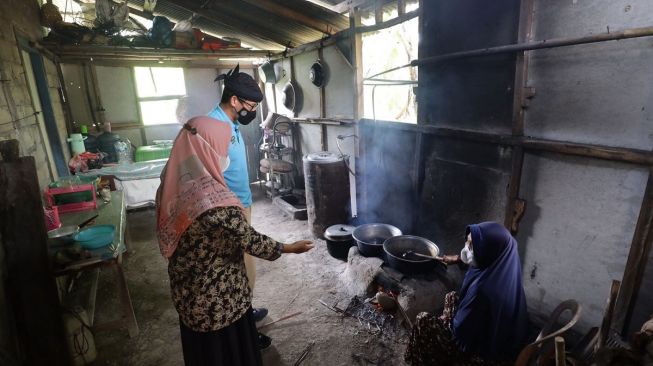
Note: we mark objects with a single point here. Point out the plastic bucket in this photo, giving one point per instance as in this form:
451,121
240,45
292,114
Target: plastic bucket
77,143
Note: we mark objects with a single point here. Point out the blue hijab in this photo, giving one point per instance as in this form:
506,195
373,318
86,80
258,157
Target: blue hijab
492,320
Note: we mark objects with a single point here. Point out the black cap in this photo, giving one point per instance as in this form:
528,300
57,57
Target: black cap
241,84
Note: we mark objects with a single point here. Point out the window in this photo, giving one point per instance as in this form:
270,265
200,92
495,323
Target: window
394,99
159,91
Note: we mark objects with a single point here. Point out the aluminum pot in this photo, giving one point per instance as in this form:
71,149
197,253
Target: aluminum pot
370,237
397,254
339,240
63,235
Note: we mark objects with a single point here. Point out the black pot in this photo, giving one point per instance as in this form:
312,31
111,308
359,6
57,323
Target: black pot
397,246
339,239
370,237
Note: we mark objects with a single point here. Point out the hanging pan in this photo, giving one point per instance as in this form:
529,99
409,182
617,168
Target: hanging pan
291,95
318,73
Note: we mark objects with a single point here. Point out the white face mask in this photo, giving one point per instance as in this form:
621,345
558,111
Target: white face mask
467,256
224,163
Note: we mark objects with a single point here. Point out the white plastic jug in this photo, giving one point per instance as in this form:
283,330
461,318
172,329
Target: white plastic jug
77,143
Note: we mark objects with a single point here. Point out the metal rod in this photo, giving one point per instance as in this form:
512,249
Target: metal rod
528,46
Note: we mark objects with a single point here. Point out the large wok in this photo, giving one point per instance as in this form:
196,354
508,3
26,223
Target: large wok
370,237
400,254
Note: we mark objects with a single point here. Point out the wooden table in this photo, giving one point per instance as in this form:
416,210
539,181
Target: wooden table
109,213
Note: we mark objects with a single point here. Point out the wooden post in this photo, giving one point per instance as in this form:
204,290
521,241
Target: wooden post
356,40
514,207
640,248
606,324
560,351
323,127
65,102
378,12
401,7
30,287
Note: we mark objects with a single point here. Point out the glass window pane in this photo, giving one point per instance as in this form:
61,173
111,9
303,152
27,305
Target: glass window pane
391,102
159,112
159,81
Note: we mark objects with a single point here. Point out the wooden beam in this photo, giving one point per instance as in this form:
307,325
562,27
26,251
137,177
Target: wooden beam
389,23
324,5
417,177
280,10
610,153
624,155
401,7
68,113
249,19
323,127
348,5
356,44
638,255
226,29
378,12
96,51
30,287
514,206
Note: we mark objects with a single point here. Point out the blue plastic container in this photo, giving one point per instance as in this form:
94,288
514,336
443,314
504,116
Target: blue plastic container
96,236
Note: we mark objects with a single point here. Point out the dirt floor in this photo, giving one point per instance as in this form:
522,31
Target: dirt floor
293,283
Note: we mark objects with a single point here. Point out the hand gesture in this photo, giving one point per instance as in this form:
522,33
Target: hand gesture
298,247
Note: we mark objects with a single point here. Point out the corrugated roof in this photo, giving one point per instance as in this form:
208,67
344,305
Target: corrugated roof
263,24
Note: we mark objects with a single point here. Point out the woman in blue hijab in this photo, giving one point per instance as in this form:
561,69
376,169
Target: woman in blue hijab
486,323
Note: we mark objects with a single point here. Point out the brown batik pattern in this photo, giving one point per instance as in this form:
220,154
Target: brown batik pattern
431,342
207,272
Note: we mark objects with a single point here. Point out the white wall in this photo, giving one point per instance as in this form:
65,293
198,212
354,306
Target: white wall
118,98
339,100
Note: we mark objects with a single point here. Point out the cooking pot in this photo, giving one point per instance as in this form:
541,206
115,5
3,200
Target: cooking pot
398,254
339,239
370,237
63,235
317,74
266,73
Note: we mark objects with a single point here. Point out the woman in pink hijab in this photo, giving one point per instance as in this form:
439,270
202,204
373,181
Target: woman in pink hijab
203,233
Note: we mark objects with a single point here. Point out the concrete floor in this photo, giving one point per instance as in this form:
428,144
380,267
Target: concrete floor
293,283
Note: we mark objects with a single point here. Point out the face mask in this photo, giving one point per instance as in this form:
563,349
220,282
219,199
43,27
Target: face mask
467,256
245,116
224,163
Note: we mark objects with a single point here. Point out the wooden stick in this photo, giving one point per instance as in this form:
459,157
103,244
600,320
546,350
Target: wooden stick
331,307
304,354
280,319
560,351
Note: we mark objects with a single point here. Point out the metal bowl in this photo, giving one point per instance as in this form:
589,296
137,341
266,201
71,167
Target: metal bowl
397,246
63,235
370,238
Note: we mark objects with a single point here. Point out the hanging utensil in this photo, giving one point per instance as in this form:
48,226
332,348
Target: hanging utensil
292,93
412,253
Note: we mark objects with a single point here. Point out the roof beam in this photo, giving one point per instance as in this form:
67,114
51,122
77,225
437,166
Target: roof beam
272,7
234,20
323,4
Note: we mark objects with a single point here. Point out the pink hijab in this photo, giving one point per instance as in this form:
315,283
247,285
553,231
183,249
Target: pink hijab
192,180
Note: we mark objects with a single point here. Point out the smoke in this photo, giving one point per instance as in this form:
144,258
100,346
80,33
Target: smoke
386,184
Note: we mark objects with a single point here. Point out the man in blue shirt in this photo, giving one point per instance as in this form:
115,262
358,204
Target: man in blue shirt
240,98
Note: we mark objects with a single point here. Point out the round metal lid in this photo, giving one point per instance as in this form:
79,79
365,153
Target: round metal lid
325,157
339,232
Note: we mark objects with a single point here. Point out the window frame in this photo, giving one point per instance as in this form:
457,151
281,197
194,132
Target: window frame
140,99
